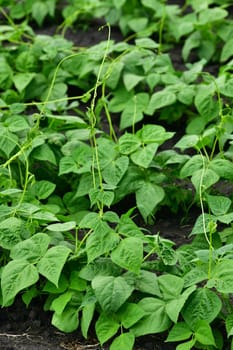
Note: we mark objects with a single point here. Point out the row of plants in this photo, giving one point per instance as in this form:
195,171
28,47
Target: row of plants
64,174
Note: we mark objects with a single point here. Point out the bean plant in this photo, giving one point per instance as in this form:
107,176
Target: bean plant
95,143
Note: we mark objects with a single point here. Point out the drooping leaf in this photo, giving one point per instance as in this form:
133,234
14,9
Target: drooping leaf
16,276
51,264
58,304
11,231
67,321
123,341
106,327
87,316
153,193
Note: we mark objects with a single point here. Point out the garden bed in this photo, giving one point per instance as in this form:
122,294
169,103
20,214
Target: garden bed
116,175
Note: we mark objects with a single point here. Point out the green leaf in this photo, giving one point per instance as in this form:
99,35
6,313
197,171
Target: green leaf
203,304
131,80
209,15
222,277
203,224
124,341
104,197
44,153
118,3
194,276
111,292
192,42
67,321
222,167
17,123
129,143
42,189
16,276
8,141
144,155
227,50
31,249
187,141
153,193
129,254
129,314
21,80
87,316
150,134
50,266
174,307
6,74
203,179
227,88
159,100
138,24
39,11
180,331
147,282
58,304
156,320
101,241
11,231
229,325
114,172
187,345
120,100
205,103
64,227
133,110
219,205
105,327
146,43
171,286
195,163
204,334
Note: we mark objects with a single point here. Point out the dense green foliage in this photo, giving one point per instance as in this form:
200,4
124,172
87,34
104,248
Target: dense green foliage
66,168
